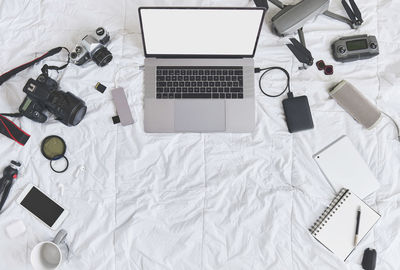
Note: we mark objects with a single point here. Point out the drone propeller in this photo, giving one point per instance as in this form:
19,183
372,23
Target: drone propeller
357,12
354,13
349,11
301,52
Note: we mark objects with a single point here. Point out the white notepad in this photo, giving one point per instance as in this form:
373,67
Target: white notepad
335,228
344,167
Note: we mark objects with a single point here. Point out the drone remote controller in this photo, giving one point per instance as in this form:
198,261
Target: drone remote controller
348,49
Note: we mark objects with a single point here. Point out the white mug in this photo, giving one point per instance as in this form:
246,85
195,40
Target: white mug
48,255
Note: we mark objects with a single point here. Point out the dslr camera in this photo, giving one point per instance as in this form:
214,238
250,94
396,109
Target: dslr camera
42,94
93,47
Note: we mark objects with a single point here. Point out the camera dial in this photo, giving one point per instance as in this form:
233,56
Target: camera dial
100,31
41,78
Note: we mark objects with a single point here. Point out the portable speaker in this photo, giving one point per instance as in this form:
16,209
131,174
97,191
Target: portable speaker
358,106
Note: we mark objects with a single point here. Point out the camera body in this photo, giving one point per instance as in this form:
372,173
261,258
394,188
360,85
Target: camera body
93,47
43,94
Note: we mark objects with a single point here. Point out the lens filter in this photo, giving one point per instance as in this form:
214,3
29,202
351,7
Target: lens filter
53,148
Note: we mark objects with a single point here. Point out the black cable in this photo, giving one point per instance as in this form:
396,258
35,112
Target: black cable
268,69
12,114
4,77
46,67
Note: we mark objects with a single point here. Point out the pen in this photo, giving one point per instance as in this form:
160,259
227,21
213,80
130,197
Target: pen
357,226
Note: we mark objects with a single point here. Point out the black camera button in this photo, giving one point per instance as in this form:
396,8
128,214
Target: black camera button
100,31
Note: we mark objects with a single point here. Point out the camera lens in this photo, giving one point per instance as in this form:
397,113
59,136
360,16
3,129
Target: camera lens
68,108
79,113
102,57
74,109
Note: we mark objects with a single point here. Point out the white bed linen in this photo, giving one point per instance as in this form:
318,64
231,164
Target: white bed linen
196,201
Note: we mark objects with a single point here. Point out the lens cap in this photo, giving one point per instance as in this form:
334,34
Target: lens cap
53,147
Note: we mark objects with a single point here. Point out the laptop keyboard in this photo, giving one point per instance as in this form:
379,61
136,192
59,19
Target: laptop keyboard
199,82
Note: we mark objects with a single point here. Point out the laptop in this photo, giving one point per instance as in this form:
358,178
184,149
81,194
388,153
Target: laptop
199,68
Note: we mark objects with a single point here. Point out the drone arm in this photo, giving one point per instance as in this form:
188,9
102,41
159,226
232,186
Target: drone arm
300,32
278,3
339,18
301,37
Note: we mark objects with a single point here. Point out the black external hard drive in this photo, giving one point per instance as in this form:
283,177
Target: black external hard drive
298,114
261,3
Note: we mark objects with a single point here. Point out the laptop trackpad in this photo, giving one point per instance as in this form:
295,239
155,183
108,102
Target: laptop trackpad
200,115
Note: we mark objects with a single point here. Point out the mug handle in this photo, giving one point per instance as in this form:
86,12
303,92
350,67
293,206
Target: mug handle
61,235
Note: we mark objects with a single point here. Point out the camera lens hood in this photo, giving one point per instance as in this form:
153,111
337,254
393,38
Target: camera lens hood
77,114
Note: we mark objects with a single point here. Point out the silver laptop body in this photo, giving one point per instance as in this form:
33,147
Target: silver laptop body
199,68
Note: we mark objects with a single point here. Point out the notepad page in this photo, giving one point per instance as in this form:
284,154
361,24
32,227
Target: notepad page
339,228
344,167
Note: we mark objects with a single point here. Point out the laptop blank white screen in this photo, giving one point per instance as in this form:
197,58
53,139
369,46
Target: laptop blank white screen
200,31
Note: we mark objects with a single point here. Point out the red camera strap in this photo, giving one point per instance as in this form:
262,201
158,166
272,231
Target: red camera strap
12,131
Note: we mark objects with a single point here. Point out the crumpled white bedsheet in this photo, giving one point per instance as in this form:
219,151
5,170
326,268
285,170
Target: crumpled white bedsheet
195,201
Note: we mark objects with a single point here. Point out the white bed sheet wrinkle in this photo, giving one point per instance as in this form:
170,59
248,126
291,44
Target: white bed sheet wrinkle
190,201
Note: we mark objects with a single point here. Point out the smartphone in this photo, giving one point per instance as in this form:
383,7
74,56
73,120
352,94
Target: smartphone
42,207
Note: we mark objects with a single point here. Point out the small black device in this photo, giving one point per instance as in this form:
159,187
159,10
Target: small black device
261,3
9,174
42,94
348,49
369,259
297,110
297,113
100,87
93,47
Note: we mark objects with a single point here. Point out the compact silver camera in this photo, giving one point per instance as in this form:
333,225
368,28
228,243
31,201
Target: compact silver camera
93,47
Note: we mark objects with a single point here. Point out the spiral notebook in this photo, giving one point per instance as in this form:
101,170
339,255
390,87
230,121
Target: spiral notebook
335,228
